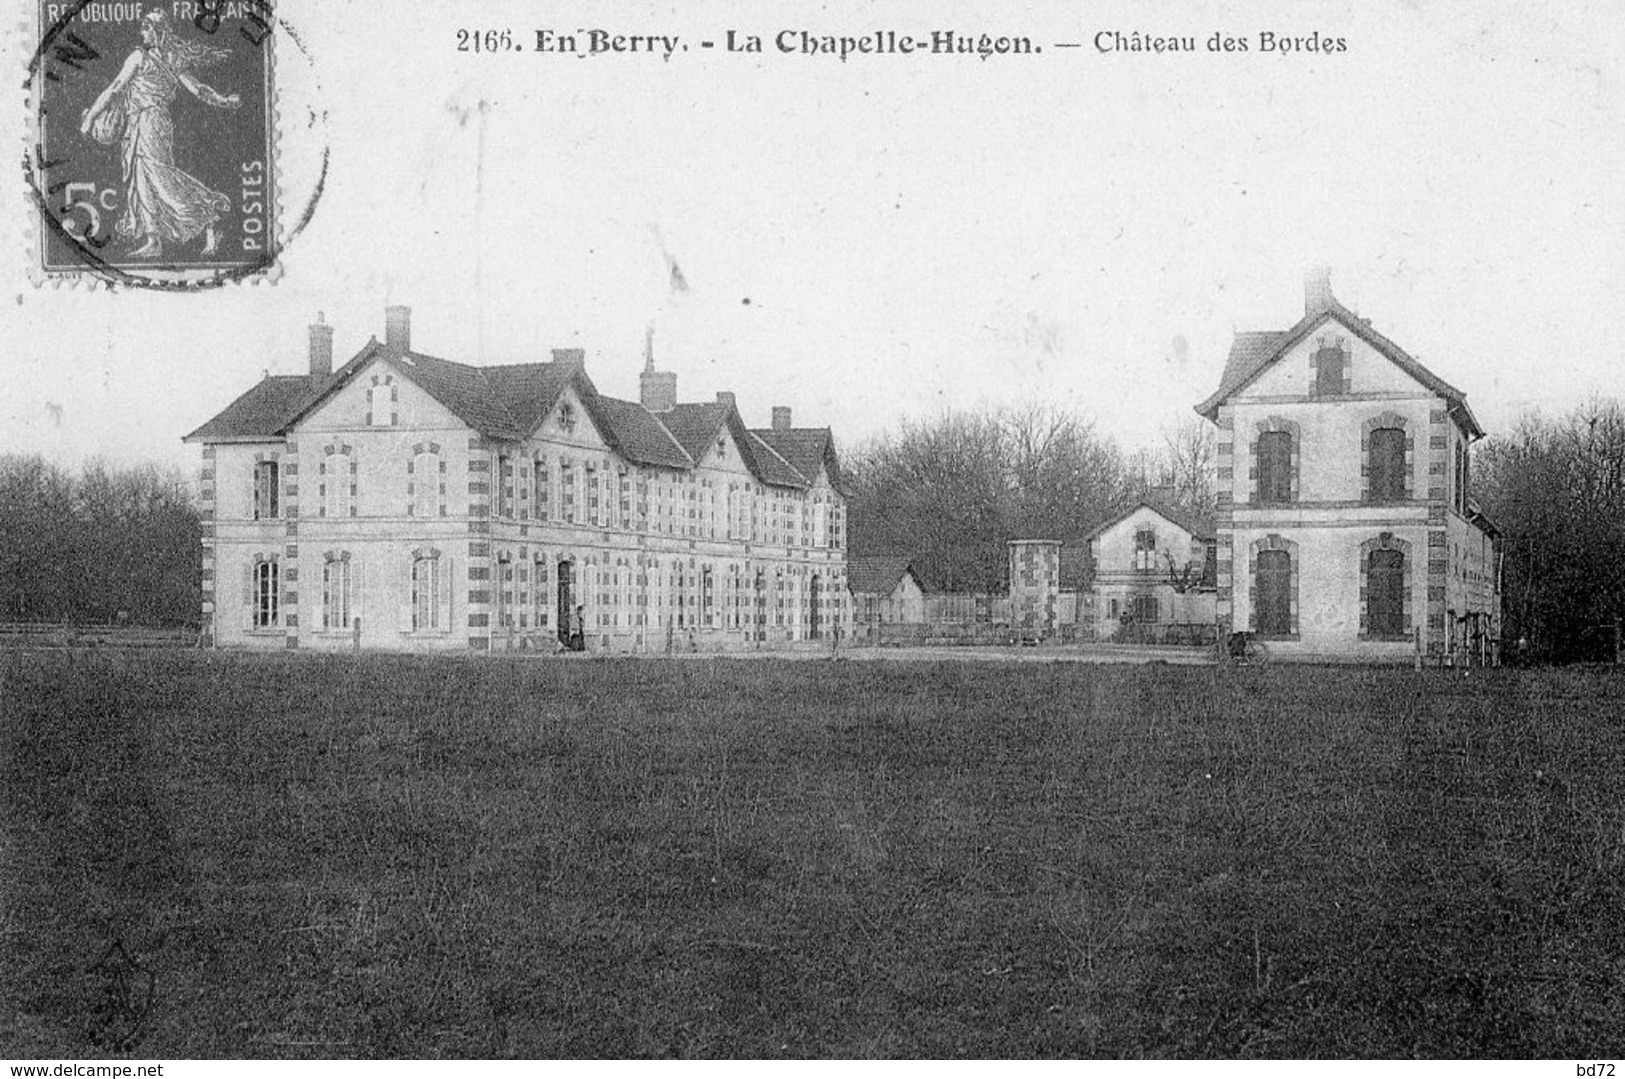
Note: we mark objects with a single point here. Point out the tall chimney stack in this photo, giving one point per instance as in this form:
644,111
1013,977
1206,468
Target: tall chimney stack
398,328
573,358
321,350
781,417
726,398
1317,290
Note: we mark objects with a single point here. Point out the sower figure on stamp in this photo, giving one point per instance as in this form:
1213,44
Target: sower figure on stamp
162,202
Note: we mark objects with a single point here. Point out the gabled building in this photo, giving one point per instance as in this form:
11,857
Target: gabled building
409,502
885,590
1152,566
1345,522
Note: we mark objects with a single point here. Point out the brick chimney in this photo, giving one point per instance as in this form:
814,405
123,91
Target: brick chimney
781,417
725,397
398,328
1317,290
573,358
321,350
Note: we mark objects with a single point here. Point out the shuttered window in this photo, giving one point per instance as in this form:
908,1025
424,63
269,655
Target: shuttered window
1274,614
1386,464
1275,466
1385,593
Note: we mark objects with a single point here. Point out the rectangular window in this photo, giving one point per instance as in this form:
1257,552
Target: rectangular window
426,614
267,491
380,405
336,594
502,487
1145,549
544,487
266,587
338,485
1146,610
1329,372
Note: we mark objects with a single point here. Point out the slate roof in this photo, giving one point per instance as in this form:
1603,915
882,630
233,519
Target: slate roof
509,402
1254,350
259,413
769,465
694,425
876,574
640,437
807,449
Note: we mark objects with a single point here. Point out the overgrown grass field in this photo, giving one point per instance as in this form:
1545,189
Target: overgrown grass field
384,856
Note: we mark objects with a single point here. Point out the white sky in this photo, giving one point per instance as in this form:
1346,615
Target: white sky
911,232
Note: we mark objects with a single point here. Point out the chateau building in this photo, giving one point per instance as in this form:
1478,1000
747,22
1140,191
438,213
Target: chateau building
1346,525
413,503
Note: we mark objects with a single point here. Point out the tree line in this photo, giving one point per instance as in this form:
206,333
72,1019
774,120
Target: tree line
950,491
106,544
1556,490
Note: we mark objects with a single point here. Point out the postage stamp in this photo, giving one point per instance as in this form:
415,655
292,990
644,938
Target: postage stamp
154,161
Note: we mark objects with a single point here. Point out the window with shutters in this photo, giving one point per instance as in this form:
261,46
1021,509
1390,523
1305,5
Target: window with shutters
567,492
1273,613
1330,364
1385,593
544,488
1385,464
1275,467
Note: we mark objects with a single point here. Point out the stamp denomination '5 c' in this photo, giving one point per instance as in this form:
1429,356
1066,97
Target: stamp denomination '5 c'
155,155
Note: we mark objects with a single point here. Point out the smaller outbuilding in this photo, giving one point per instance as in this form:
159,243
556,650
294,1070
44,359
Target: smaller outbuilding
885,591
1153,575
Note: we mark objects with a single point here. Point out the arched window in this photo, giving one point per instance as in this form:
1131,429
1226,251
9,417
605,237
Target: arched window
1275,467
1385,593
1273,615
1385,464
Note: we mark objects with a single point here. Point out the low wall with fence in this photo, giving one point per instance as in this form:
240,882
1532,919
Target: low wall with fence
64,635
